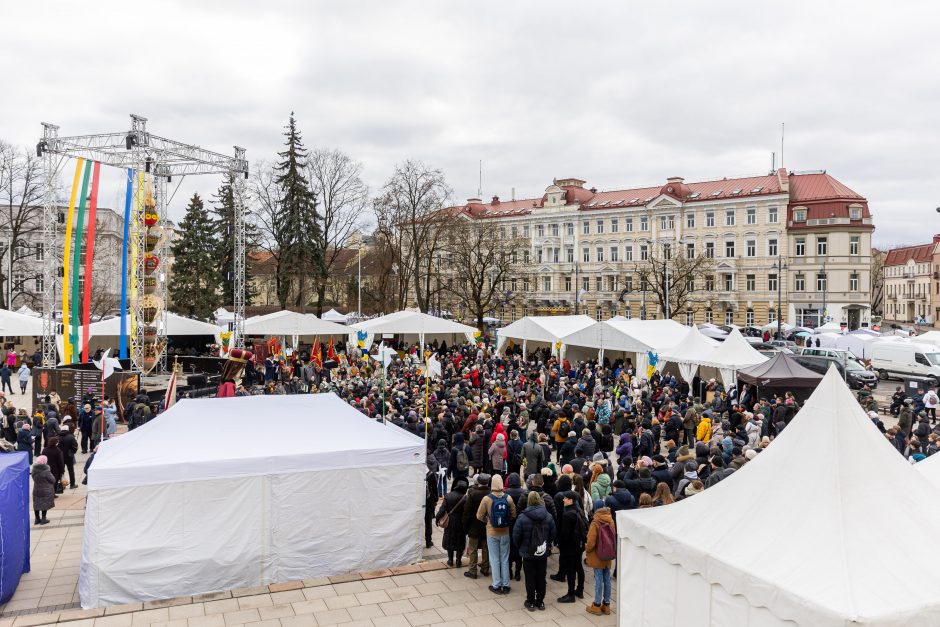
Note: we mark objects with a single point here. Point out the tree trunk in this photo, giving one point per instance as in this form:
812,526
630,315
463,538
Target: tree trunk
321,295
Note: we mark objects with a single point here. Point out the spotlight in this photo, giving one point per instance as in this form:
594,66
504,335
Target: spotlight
147,163
130,141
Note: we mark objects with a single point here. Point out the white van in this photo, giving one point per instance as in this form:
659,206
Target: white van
899,359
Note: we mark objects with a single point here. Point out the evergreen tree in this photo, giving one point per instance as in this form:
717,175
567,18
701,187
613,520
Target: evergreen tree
223,211
302,258
196,283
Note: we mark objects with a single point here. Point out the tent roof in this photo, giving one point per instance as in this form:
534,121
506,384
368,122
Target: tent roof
736,352
333,316
412,322
13,323
607,335
834,490
693,348
176,325
781,370
201,439
930,337
829,327
291,323
545,328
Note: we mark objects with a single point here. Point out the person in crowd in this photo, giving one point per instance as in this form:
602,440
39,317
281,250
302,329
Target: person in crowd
497,511
455,538
23,375
5,374
533,456
476,528
519,496
430,498
69,447
599,550
56,461
534,534
24,439
571,536
497,455
459,465
43,489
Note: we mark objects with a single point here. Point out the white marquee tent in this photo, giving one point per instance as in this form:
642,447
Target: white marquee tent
541,331
620,334
14,323
859,345
176,325
930,337
734,354
415,326
796,537
206,498
693,351
334,316
292,324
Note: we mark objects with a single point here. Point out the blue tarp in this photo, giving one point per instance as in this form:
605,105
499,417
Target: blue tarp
14,521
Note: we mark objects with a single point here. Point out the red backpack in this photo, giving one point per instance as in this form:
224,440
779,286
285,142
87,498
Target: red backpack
606,547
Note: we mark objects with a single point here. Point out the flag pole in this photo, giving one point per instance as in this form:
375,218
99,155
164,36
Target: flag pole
427,395
103,368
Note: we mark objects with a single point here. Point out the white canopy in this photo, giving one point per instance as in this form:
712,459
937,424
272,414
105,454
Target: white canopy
334,316
826,340
692,351
541,329
415,324
829,327
176,325
828,490
223,317
202,498
772,327
631,335
733,354
26,310
859,345
713,331
13,323
930,468
930,337
291,323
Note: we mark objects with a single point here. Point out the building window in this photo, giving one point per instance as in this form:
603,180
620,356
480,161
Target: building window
554,228
855,213
569,228
729,316
515,232
729,282
644,223
627,313
799,215
555,253
40,251
600,254
709,282
538,255
667,251
709,218
525,230
729,217
547,283
19,278
586,284
540,230
614,253
600,226
628,253
644,253
749,317
628,283
800,246
662,223
690,251
708,315
525,285
597,313
39,284
853,282
567,283
710,250
821,282
771,316
585,255
525,256
772,282
599,284
729,249
854,245
690,221
585,228
502,232
614,225
771,215
822,245
689,318
750,282
772,247
752,215
690,284
751,248
569,254
799,283
611,283
628,224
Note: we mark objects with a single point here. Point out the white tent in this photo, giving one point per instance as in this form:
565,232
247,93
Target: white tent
13,323
829,327
224,317
826,340
334,316
858,345
930,468
772,327
26,310
930,337
541,330
692,351
176,325
713,332
414,326
291,324
827,493
733,354
206,498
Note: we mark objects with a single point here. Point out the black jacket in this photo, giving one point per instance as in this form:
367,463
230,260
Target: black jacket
473,527
640,486
619,500
662,474
69,446
525,523
572,532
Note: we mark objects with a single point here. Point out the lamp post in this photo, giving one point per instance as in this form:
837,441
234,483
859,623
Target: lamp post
825,290
359,283
780,268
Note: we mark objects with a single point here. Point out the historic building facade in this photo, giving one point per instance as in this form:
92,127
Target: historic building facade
793,242
911,286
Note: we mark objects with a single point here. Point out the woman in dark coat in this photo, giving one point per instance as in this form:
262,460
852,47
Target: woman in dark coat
69,446
43,490
455,538
56,461
519,496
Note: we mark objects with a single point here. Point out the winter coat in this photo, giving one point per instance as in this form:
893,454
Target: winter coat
69,446
571,531
23,373
441,454
625,450
600,489
24,438
662,474
640,486
905,420
56,460
474,528
454,539
452,470
528,519
497,455
601,517
478,445
485,508
532,455
567,452
586,447
619,500
43,487
704,431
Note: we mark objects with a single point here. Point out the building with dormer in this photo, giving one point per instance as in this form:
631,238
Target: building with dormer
802,240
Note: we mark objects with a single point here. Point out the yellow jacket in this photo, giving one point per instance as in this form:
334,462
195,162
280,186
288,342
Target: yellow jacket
704,432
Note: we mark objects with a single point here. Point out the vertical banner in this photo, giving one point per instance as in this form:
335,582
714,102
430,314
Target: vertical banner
76,261
89,258
127,226
66,260
136,225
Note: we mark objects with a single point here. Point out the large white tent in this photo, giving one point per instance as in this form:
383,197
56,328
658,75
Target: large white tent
208,497
693,351
795,537
541,330
13,323
292,324
620,334
930,337
334,316
414,326
733,354
175,325
858,344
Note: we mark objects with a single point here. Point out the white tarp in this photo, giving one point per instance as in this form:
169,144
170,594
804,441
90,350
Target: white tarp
210,496
414,325
291,324
734,354
858,345
930,337
834,489
176,325
829,327
334,316
541,330
692,351
13,324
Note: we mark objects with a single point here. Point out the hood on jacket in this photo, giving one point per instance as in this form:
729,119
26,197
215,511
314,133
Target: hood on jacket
442,444
563,483
622,498
602,515
433,466
533,437
603,479
513,480
39,468
536,513
701,449
458,439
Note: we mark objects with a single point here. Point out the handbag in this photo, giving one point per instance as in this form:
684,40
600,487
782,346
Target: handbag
444,520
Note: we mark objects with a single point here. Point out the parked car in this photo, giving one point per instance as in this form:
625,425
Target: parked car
853,373
788,344
901,359
839,354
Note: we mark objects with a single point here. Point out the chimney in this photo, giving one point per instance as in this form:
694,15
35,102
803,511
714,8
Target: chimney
495,200
474,201
936,239
675,179
593,190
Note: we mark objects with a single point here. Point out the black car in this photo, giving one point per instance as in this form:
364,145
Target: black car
853,373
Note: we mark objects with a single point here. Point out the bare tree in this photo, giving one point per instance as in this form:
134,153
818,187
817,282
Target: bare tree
336,179
268,217
20,215
409,216
478,262
671,272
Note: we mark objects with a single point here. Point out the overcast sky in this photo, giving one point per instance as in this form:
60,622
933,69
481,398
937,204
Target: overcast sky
620,94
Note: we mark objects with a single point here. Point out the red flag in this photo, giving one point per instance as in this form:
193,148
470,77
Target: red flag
330,353
315,357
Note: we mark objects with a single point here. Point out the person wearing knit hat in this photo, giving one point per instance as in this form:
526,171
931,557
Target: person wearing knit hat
498,511
43,489
534,533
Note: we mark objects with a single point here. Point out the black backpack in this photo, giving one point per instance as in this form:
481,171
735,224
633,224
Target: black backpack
538,540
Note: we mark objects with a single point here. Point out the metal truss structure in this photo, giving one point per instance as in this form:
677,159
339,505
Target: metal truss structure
162,159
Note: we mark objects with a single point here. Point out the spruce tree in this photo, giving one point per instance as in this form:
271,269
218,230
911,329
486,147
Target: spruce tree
223,212
195,286
302,258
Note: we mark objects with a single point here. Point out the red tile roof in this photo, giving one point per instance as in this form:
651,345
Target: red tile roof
812,187
919,253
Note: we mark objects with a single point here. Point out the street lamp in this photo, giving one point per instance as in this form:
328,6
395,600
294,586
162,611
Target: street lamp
779,267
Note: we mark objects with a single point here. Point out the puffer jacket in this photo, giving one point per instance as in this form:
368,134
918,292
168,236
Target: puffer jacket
625,449
600,489
704,431
601,517
530,517
43,487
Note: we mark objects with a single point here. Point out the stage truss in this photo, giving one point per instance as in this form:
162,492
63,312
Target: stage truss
162,159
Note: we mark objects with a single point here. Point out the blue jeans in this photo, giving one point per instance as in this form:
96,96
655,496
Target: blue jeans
499,559
601,586
442,484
